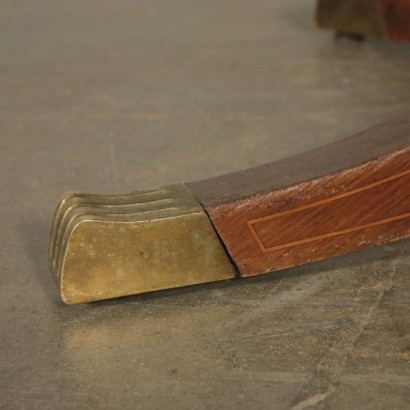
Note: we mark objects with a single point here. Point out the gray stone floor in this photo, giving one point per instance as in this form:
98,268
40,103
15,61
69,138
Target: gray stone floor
116,96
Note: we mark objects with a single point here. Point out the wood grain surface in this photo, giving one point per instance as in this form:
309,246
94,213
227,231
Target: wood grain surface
396,14
345,196
384,18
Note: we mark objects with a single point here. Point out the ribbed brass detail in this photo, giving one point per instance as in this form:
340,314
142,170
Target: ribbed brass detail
106,246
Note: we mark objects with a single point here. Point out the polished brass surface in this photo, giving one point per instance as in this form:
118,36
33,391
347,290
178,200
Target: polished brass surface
106,246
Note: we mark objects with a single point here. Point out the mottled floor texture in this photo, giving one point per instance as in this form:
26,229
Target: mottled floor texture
116,96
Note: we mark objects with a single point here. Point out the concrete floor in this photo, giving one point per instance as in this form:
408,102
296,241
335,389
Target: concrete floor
117,96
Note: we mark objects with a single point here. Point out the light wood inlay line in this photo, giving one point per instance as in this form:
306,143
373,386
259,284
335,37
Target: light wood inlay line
328,235
264,249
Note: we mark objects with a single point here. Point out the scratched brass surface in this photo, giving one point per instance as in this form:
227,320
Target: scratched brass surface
106,246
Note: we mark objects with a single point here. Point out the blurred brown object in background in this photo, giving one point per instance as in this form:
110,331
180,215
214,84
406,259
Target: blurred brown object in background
383,18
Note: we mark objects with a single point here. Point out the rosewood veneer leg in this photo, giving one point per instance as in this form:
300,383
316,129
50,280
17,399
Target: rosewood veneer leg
382,18
342,197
